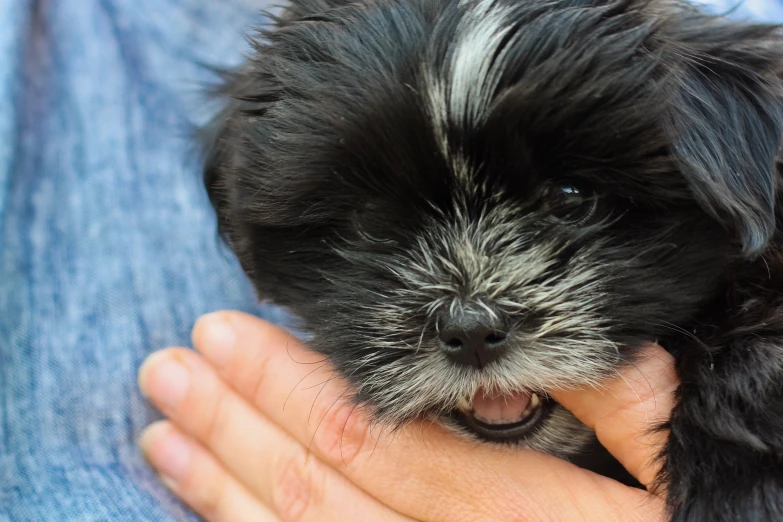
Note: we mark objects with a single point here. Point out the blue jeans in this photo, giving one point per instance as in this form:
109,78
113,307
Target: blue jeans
108,248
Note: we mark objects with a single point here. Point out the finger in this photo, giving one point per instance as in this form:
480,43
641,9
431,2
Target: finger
269,462
198,479
627,412
424,468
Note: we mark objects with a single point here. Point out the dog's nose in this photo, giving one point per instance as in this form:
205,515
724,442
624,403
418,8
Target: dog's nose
472,340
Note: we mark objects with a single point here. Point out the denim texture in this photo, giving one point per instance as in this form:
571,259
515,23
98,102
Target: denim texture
108,248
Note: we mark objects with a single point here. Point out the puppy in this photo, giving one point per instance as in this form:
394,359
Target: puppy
472,203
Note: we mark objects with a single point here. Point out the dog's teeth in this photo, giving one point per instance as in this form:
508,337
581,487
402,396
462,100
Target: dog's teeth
464,404
534,400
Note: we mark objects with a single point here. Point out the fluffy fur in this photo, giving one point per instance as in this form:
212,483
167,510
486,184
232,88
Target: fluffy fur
383,162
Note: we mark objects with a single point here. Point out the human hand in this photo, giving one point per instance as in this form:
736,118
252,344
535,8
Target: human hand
257,431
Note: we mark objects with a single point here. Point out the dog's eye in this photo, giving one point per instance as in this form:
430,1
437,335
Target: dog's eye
569,204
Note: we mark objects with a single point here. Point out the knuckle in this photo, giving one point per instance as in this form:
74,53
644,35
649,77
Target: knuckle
212,431
258,370
297,479
341,433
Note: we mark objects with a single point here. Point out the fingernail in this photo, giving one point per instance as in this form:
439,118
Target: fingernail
218,338
168,451
167,381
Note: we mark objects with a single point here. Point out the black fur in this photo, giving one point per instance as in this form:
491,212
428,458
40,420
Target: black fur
350,202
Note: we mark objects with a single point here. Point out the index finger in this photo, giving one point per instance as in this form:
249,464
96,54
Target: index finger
421,470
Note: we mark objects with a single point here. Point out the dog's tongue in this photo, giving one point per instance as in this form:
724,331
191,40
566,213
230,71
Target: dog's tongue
504,409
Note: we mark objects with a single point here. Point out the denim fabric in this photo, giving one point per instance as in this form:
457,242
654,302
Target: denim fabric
758,10
108,247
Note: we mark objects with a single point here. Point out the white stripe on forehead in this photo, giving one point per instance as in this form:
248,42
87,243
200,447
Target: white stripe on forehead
462,93
475,72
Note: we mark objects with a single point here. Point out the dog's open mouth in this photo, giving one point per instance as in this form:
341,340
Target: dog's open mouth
503,418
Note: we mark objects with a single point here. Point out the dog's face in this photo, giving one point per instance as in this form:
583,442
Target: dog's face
472,204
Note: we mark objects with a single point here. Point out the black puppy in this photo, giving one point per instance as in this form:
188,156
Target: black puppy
472,203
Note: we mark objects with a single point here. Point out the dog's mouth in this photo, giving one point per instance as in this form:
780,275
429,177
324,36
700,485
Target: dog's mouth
505,418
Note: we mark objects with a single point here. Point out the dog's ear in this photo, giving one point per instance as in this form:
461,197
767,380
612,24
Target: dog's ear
215,140
726,122
247,93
